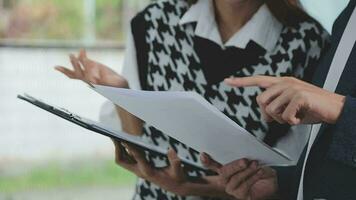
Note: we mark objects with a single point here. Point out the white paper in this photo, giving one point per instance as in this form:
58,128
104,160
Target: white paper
189,118
294,142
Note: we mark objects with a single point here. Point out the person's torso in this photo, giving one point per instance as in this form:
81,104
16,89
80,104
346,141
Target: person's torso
172,58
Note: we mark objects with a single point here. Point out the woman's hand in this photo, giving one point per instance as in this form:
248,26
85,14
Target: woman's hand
244,179
91,71
292,101
171,178
94,72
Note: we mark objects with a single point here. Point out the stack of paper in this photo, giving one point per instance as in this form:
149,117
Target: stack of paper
189,118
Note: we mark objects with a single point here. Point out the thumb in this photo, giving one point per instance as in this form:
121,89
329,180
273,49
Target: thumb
209,163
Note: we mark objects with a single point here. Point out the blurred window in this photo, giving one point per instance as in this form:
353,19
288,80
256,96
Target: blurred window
93,22
40,154
87,22
325,11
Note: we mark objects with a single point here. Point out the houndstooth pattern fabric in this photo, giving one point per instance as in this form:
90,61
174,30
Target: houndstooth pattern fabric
173,65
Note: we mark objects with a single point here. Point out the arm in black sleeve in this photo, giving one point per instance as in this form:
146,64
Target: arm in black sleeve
343,145
285,181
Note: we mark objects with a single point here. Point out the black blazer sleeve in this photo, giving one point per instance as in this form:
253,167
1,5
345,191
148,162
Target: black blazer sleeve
285,179
343,146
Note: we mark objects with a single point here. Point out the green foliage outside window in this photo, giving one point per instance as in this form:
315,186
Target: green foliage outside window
43,19
109,20
60,19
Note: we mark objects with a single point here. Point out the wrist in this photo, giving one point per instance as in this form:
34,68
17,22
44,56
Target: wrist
338,105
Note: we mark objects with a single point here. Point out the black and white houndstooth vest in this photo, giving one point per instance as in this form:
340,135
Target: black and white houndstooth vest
171,58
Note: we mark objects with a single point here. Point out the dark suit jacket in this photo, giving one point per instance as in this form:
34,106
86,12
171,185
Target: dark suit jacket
331,167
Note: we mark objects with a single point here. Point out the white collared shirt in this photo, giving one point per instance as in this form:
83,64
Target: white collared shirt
263,28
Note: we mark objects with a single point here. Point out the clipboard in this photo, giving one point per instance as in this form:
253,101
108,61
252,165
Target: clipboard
102,130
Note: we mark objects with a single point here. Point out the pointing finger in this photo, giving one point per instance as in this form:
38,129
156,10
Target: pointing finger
259,81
